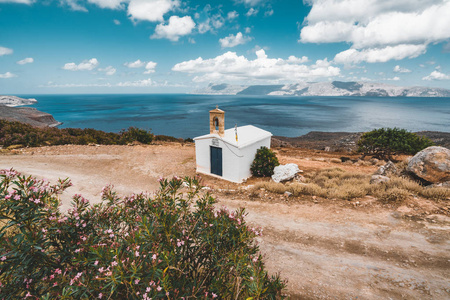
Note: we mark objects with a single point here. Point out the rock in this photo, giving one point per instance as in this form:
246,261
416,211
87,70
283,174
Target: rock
431,164
388,169
299,178
287,194
443,184
374,161
327,149
376,179
335,160
285,172
345,158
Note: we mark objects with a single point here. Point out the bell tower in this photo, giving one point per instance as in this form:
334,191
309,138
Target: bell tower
217,121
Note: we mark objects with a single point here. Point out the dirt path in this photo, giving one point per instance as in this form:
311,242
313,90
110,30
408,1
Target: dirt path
327,250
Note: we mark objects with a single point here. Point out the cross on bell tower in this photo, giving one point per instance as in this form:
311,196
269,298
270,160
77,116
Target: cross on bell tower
217,121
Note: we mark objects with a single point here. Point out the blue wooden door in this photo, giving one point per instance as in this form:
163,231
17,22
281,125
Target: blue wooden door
216,160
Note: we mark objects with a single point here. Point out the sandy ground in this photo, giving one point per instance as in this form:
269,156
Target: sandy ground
326,249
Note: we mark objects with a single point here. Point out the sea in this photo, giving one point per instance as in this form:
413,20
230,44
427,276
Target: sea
187,116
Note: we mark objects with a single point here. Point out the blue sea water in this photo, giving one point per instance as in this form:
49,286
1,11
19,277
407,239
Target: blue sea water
183,115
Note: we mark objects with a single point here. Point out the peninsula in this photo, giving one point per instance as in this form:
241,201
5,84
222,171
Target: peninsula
10,111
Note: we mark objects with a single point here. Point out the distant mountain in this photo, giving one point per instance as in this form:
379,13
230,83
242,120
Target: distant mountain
15,101
334,88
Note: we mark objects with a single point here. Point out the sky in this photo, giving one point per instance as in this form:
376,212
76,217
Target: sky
174,46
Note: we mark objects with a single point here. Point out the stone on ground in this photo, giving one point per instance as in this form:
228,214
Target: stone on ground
285,172
431,164
388,169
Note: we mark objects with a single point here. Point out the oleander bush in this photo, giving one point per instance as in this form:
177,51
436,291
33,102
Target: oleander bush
264,163
385,142
16,133
171,245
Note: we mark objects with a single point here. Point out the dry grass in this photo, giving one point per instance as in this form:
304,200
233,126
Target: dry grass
436,193
337,183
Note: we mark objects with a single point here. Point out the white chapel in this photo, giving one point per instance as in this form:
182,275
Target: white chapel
228,154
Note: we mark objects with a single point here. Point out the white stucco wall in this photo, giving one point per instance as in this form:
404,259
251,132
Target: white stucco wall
235,162
249,155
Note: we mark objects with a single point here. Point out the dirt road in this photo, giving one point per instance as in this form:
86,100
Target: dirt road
326,249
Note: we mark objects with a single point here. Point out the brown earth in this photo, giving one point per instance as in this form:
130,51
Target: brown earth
326,248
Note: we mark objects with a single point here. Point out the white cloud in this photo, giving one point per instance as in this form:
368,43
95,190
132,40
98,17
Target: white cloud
353,56
111,4
85,65
436,75
109,70
399,69
138,83
250,2
232,15
252,12
24,61
5,51
117,22
214,22
297,60
150,10
17,1
73,4
174,29
135,64
268,13
234,40
377,24
248,30
150,67
231,67
8,75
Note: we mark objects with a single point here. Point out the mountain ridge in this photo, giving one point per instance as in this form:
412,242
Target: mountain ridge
333,88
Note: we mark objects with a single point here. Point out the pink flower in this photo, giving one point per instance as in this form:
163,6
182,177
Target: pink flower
114,263
100,296
136,281
214,295
3,258
154,256
16,197
96,263
159,288
148,289
136,253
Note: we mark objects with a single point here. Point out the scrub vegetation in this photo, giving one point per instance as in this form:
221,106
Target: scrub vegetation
340,184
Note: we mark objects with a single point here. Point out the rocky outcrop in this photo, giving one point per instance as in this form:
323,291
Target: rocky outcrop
28,115
12,101
387,170
285,172
431,164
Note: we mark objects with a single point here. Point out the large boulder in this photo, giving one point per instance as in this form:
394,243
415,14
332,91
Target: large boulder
388,169
431,164
285,172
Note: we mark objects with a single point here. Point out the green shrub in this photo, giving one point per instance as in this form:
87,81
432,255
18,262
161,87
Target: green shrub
136,134
385,142
264,163
16,133
171,245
